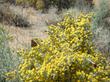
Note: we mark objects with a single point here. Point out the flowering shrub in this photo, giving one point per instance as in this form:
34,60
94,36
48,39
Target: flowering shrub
67,55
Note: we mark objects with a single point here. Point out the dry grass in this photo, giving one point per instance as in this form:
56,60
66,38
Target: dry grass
22,36
9,16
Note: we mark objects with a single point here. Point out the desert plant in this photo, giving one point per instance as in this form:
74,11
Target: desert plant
101,27
8,1
8,16
67,55
7,61
60,4
38,4
101,13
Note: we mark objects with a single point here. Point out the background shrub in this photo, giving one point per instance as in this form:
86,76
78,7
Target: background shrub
8,59
38,4
101,27
8,1
60,4
8,16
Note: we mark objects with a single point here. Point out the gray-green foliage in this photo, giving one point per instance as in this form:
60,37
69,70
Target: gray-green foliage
7,59
101,13
101,27
84,4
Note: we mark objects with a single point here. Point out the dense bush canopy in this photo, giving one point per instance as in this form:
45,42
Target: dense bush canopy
67,55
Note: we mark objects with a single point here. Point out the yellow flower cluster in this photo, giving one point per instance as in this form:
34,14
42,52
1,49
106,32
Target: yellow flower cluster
67,55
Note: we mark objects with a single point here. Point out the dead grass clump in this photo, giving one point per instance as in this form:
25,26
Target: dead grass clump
7,16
